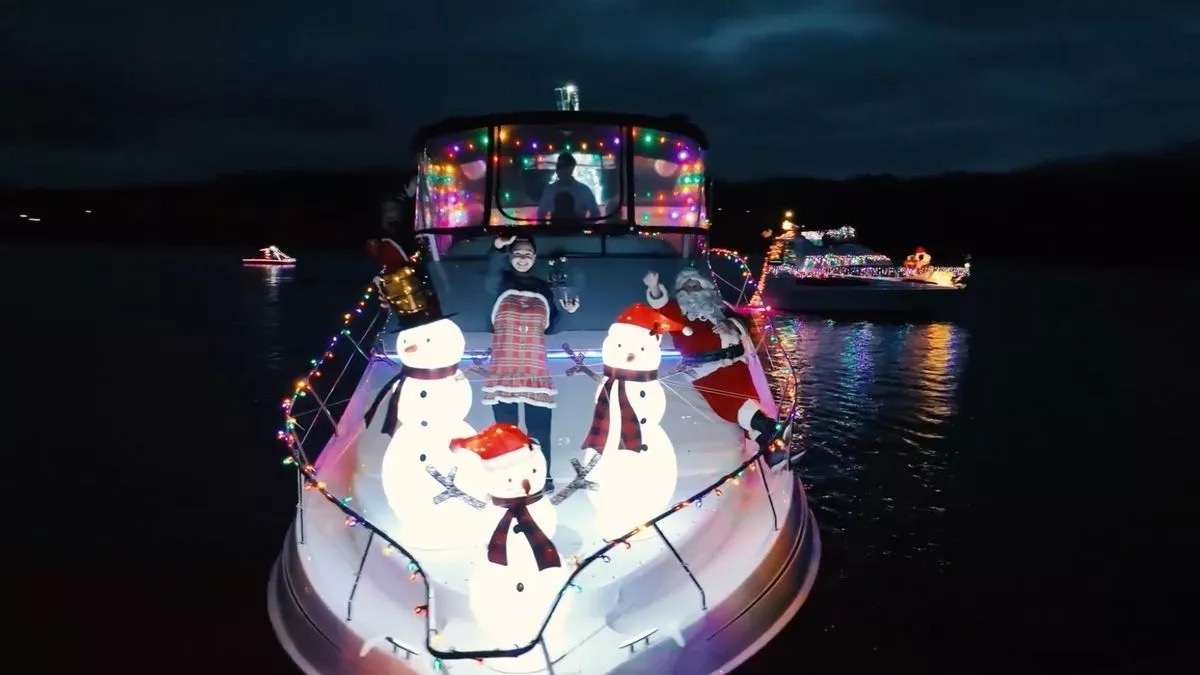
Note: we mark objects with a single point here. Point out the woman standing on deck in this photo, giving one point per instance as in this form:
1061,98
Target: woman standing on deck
523,314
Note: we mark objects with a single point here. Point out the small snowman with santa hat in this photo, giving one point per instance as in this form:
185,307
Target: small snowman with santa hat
519,572
635,469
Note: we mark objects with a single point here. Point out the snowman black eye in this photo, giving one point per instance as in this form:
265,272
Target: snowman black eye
535,470
643,349
510,480
427,339
618,345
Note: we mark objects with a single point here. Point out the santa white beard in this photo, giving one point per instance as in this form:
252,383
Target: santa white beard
705,304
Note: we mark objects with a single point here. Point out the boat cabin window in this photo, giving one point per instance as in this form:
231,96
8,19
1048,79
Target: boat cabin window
454,171
558,172
668,179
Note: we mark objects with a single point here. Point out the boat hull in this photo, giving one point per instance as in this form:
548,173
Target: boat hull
268,263
321,643
876,297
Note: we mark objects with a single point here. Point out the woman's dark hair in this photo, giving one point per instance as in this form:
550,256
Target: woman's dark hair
523,239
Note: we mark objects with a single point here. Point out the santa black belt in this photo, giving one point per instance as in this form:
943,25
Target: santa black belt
728,353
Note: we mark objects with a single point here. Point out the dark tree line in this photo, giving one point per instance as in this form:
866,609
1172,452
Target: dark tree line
1086,209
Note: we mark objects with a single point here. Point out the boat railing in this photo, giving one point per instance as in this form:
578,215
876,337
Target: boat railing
312,413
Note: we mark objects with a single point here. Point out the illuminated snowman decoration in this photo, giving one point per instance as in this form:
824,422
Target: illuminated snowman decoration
637,470
433,492
519,573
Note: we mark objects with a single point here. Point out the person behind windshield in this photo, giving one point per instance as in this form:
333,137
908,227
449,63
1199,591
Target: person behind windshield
567,198
522,315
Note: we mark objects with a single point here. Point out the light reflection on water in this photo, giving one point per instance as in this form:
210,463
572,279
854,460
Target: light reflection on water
268,308
876,409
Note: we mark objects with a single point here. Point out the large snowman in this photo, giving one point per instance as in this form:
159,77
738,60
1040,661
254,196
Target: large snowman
636,469
518,574
434,493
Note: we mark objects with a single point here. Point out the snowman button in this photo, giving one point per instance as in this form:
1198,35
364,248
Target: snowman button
517,529
424,423
642,421
424,393
642,394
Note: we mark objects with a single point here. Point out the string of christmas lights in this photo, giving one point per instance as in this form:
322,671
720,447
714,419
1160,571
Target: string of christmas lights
837,234
296,458
743,268
864,270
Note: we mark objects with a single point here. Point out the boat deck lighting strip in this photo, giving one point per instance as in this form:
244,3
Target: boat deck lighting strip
552,354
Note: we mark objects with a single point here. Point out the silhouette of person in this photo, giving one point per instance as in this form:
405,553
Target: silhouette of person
567,198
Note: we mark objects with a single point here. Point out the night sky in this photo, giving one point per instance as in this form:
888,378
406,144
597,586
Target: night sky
127,91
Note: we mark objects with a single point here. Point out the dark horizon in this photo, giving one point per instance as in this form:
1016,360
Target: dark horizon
1185,147
1050,211
1182,147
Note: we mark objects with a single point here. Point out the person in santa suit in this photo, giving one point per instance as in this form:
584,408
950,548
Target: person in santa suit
716,350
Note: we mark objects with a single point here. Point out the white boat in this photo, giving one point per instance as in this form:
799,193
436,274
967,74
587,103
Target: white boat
698,588
828,271
271,256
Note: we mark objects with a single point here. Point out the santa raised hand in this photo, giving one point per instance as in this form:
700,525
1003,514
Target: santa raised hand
715,348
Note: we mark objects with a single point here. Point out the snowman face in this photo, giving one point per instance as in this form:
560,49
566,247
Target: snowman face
518,476
440,344
631,347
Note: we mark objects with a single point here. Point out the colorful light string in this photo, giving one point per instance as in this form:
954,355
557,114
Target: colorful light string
304,388
743,265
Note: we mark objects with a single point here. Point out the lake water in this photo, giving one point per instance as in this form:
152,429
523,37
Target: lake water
1004,494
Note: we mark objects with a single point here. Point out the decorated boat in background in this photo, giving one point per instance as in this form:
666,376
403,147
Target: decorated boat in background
378,572
270,256
829,271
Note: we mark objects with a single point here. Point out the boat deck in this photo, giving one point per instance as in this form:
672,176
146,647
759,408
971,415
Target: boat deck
751,548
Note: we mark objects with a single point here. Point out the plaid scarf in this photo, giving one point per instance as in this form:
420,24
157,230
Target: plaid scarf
393,387
544,551
631,429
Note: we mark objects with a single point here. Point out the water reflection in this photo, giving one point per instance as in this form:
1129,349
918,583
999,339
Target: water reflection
877,403
267,307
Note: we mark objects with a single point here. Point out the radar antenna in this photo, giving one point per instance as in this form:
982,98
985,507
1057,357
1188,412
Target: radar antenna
568,97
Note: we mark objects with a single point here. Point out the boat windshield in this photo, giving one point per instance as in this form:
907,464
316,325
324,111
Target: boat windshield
453,183
562,173
558,173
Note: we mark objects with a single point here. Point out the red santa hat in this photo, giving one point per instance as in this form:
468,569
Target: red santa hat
643,316
387,252
497,444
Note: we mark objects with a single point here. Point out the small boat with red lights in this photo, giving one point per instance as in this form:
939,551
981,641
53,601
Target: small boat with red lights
270,256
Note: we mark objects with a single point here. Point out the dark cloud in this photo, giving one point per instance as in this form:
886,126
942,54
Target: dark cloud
129,90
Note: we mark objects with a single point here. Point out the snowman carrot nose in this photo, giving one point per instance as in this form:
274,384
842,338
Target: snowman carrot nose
410,349
630,357
525,485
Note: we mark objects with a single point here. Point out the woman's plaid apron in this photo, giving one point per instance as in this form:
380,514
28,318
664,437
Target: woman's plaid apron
519,371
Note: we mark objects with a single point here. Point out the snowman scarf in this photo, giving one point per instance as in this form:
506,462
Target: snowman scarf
517,508
393,387
631,428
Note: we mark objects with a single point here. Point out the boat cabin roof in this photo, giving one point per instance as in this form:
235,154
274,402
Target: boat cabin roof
678,124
